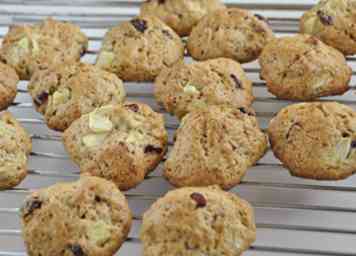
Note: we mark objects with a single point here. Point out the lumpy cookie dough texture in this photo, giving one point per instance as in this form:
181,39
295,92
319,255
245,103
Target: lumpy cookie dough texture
232,33
121,143
215,146
302,67
198,221
333,21
181,15
15,146
28,48
184,87
139,49
315,140
65,92
8,85
89,217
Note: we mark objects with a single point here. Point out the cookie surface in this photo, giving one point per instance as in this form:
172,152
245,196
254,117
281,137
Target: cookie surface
8,85
213,222
302,67
215,146
181,15
119,143
65,92
333,21
232,33
28,48
139,49
184,87
315,140
88,217
15,146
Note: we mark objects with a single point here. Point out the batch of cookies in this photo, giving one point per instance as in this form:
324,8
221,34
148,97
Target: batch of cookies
117,143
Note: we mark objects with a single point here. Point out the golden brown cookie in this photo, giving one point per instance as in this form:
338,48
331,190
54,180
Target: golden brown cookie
15,146
8,85
198,221
137,50
301,67
89,217
232,33
64,92
215,146
214,82
28,48
121,143
181,15
315,140
333,21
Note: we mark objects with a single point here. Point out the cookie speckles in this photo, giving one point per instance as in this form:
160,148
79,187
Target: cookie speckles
77,250
150,149
199,199
325,19
31,206
237,81
139,24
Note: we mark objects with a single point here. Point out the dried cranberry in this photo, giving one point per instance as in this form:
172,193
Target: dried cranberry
31,206
76,249
132,107
325,19
153,149
353,144
262,18
199,199
41,98
236,81
139,24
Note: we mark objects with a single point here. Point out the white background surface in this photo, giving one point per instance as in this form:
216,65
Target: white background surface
294,216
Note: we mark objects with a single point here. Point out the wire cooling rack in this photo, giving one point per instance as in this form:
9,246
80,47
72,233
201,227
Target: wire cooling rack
294,216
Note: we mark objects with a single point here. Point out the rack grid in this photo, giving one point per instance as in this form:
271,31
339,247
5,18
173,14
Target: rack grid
294,216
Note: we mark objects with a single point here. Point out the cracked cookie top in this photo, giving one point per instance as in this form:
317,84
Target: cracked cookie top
121,143
333,21
214,82
28,48
198,221
64,92
137,50
89,217
231,33
315,140
215,146
302,67
181,15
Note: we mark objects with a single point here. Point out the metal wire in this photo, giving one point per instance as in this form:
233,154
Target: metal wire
283,25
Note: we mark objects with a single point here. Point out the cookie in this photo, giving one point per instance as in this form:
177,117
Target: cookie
30,47
137,50
232,33
215,146
181,15
333,21
8,85
198,221
15,146
315,140
214,82
64,92
301,67
121,143
88,217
